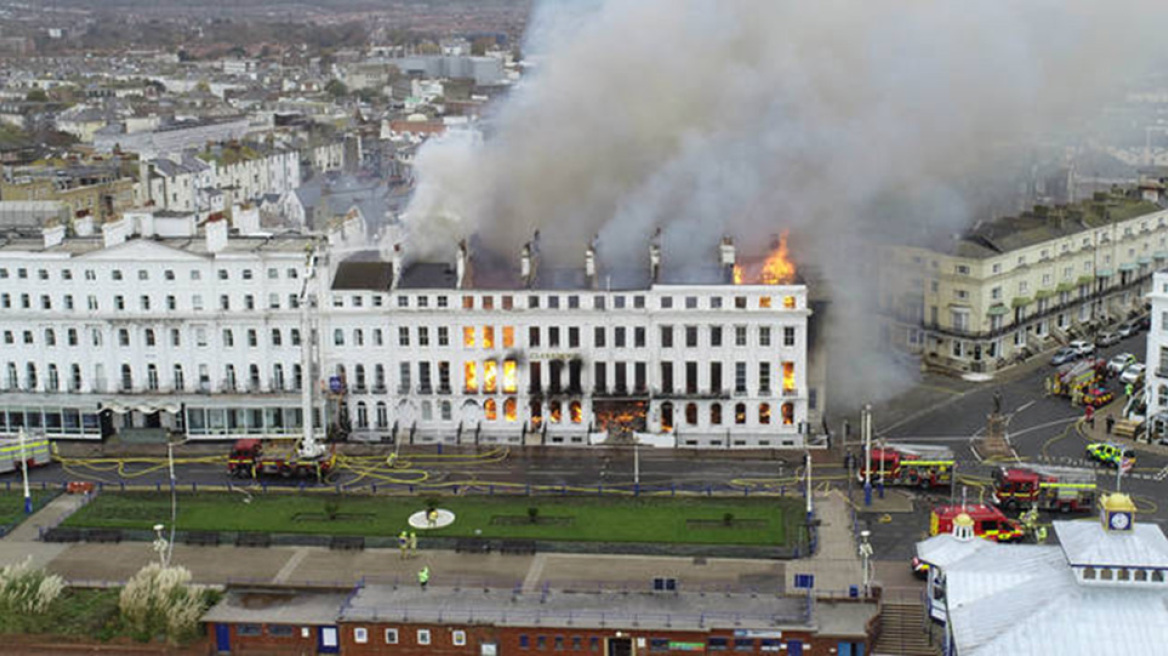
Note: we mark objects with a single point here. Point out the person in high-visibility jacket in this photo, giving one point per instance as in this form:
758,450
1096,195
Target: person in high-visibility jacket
403,543
424,576
1040,535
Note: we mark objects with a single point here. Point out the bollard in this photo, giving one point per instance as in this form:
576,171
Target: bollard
373,487
491,489
709,490
600,489
672,489
636,489
123,484
8,486
564,490
527,489
439,448
158,487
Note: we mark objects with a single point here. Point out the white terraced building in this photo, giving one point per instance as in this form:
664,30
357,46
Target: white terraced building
433,352
155,325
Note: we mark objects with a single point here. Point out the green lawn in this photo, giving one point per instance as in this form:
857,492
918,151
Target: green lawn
691,520
12,504
77,612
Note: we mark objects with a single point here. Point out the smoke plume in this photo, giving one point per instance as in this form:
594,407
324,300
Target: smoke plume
832,118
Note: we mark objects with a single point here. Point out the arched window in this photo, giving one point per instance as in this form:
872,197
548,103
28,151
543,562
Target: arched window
127,376
491,409
382,415
362,415
740,413
427,411
764,413
788,413
536,413
509,408
576,411
554,412
339,337
691,414
444,407
358,337
667,417
359,375
716,414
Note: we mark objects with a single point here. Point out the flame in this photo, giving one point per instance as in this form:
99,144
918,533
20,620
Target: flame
468,337
490,369
509,409
788,411
491,409
470,372
508,336
510,378
488,337
764,413
788,377
554,411
577,412
667,418
776,269
536,414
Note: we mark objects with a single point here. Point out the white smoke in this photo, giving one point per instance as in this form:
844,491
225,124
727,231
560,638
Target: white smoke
744,117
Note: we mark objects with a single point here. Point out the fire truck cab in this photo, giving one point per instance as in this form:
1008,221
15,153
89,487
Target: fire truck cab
253,457
988,522
913,465
1064,489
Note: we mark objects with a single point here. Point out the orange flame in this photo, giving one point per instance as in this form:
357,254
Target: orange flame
491,410
509,409
490,369
508,336
468,339
470,369
577,412
510,378
788,376
776,269
554,411
488,337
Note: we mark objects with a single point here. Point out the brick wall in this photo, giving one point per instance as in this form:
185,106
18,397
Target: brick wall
272,639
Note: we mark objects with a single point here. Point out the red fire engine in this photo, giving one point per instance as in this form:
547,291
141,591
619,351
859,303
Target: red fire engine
252,458
988,522
1064,489
916,465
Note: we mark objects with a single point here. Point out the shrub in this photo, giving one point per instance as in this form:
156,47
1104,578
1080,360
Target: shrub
28,590
332,508
161,601
728,519
533,514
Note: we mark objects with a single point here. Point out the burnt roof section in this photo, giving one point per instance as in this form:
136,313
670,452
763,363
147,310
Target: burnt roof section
352,275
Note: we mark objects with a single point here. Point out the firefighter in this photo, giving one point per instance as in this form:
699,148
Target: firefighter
403,543
424,576
413,543
1040,535
1128,389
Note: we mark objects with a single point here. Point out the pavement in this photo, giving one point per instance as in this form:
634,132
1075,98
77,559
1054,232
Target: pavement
835,566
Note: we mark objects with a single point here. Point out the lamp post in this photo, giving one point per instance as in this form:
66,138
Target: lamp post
865,561
161,545
24,473
866,428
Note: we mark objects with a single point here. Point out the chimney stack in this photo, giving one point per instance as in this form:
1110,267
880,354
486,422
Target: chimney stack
655,257
462,265
396,266
54,235
216,234
113,233
727,258
529,261
590,265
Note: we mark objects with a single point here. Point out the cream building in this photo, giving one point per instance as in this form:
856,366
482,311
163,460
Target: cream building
1021,285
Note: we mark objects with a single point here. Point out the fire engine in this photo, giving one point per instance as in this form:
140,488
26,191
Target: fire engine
988,522
36,453
1064,489
252,458
920,465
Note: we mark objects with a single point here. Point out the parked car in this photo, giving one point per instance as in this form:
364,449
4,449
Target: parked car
1107,339
1129,328
1119,362
1063,356
1109,454
1145,322
1133,373
1082,347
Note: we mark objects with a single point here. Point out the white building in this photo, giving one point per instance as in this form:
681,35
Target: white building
191,182
152,325
435,352
1156,376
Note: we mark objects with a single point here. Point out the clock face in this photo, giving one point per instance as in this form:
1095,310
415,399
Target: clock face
1119,521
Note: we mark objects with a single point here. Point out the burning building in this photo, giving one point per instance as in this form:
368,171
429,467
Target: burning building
706,356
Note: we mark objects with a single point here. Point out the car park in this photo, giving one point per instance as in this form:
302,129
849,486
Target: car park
1107,339
1133,373
1082,347
1128,328
1119,362
1063,356
1109,453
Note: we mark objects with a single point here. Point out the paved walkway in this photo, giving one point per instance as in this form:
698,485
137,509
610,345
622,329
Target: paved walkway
836,564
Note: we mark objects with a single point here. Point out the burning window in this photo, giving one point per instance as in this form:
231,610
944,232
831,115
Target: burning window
554,412
740,413
576,410
510,377
764,413
788,377
470,373
508,336
536,413
490,410
789,302
666,417
509,408
776,269
468,337
490,380
468,302
488,302
488,337
788,411
764,302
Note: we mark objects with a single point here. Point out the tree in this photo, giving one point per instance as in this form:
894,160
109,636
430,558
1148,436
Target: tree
336,88
37,95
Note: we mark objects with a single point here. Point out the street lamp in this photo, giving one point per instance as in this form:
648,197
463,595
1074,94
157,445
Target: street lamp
162,545
24,473
865,561
866,428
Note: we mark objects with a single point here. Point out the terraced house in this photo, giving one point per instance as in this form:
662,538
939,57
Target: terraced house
1018,285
